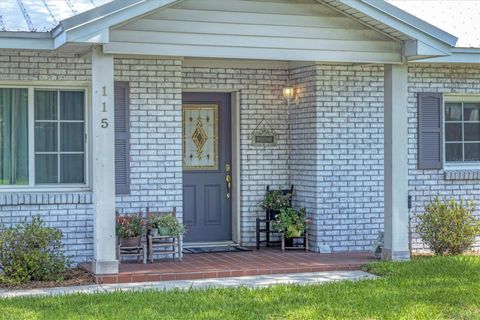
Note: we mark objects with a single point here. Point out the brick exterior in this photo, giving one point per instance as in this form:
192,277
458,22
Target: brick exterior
341,112
70,212
424,185
155,134
303,146
333,154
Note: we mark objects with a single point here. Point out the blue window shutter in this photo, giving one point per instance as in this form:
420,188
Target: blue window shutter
430,131
122,138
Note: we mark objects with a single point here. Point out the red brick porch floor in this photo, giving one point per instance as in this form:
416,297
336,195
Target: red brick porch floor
234,264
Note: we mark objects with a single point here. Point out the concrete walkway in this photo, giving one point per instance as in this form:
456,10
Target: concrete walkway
250,282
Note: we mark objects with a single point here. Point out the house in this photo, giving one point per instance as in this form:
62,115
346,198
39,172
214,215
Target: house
128,104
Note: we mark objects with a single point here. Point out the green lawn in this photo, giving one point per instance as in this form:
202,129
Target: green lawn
427,288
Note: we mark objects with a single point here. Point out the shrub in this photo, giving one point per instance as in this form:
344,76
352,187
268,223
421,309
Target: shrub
31,251
448,227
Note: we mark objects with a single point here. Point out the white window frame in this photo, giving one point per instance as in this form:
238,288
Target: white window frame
31,86
456,98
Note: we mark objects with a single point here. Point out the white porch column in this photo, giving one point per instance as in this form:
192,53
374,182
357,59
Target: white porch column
396,163
103,173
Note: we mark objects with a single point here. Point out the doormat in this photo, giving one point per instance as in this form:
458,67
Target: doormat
195,250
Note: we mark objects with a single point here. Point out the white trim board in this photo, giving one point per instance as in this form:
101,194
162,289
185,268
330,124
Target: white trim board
458,56
235,63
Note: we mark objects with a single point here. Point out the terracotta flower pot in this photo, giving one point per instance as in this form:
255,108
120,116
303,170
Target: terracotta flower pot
131,242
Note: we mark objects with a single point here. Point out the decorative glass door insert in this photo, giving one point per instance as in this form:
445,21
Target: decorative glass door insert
200,137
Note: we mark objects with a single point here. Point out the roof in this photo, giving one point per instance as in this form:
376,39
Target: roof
41,15
45,15
427,30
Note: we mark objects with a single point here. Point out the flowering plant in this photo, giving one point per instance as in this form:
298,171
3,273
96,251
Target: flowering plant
276,200
291,221
129,226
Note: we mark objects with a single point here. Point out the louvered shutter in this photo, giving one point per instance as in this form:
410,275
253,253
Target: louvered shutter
430,131
122,138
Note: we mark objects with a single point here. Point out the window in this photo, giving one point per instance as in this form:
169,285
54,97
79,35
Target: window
42,137
13,136
462,132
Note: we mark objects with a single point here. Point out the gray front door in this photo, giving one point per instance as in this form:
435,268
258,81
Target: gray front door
207,159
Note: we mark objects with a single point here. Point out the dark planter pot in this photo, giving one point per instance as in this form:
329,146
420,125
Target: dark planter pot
295,242
131,242
272,214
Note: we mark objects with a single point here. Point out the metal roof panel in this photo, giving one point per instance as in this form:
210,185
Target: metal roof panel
41,15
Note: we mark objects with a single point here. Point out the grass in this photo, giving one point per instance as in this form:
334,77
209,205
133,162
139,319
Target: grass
426,288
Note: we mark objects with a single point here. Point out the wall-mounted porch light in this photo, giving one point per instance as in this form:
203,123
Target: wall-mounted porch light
289,94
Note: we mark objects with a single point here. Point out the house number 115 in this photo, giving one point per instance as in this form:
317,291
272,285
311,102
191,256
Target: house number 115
104,123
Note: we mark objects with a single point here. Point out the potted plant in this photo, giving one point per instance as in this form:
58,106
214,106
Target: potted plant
274,201
152,227
292,222
168,225
129,229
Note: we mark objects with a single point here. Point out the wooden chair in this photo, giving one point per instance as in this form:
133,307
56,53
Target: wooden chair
263,228
136,251
297,243
164,245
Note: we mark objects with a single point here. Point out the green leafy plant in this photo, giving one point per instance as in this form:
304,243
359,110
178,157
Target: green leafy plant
276,200
448,227
170,223
129,226
30,251
291,221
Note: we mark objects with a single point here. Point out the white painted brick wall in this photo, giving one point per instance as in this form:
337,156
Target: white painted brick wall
348,171
303,146
424,185
155,134
70,212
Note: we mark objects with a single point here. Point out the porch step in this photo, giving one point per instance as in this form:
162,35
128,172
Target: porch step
239,264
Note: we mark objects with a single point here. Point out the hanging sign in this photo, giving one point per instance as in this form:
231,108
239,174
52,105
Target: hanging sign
264,135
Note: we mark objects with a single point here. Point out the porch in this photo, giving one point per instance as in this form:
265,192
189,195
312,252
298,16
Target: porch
236,264
341,138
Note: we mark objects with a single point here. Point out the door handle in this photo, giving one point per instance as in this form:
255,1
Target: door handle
228,178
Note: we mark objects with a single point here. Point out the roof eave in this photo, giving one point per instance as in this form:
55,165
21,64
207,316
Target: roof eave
92,26
26,40
413,21
405,23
